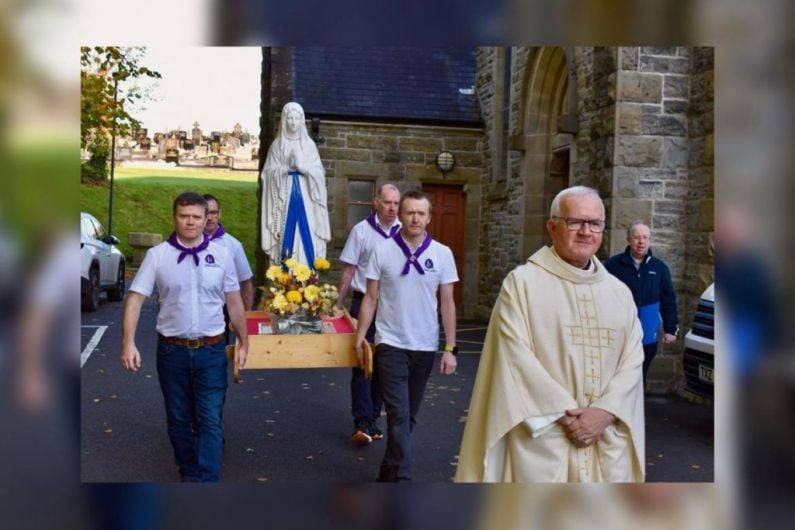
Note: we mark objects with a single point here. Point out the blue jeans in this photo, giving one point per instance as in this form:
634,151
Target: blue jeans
403,375
366,400
193,382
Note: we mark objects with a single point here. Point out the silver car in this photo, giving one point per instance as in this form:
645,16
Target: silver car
101,264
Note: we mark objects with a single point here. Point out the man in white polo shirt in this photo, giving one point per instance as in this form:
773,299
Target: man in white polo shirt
215,229
404,274
218,234
382,223
194,277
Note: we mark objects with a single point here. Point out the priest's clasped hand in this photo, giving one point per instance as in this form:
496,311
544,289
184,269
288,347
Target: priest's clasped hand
584,426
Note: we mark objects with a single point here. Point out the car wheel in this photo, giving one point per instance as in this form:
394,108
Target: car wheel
91,298
116,293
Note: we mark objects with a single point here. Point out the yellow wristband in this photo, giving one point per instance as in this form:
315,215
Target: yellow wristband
448,347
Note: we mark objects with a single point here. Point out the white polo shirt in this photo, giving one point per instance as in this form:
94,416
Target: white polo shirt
235,247
407,308
191,297
361,241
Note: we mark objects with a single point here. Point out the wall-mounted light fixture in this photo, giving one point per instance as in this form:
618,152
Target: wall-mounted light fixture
445,161
316,131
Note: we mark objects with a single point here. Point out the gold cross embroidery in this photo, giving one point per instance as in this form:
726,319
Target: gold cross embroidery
593,353
575,335
593,337
606,337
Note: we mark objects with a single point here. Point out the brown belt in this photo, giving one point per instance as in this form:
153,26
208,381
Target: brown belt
192,343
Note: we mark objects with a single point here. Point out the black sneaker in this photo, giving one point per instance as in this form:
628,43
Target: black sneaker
375,432
361,434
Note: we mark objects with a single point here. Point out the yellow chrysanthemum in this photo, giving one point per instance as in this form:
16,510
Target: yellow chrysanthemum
273,272
283,278
294,296
279,301
302,272
291,263
322,264
311,293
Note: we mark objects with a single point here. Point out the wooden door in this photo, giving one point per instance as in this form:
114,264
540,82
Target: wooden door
447,224
558,181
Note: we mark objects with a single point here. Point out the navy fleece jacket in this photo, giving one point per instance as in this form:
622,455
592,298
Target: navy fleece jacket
652,290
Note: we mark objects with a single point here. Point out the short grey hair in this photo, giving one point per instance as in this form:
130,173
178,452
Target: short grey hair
635,223
554,209
386,186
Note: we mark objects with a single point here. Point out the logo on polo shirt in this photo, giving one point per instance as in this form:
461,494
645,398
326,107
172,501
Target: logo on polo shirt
429,265
209,259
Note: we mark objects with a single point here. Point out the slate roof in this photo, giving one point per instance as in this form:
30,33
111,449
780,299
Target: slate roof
402,84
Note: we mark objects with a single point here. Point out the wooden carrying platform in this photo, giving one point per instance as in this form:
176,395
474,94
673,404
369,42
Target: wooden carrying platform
330,349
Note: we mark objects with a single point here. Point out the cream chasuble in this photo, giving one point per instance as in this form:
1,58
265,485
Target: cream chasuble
559,338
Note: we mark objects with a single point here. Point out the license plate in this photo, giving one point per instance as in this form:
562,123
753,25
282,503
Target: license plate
705,373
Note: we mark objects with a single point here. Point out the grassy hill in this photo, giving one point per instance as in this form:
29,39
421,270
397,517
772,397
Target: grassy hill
142,201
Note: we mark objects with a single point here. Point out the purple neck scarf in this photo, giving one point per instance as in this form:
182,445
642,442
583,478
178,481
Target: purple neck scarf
218,232
193,251
392,231
412,258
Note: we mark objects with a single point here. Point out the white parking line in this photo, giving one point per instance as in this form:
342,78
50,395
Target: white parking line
92,343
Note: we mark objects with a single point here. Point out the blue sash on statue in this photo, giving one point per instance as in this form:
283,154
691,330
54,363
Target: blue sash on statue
296,215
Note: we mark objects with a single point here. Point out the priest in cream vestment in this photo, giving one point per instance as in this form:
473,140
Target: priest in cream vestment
558,395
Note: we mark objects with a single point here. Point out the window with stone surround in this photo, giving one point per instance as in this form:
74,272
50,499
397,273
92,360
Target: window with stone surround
361,193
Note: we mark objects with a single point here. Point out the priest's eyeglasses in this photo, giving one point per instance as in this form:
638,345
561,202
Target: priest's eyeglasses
573,223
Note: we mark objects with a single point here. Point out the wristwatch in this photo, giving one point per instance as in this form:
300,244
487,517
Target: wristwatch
451,349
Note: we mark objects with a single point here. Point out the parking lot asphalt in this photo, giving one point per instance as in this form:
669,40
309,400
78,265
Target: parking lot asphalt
294,425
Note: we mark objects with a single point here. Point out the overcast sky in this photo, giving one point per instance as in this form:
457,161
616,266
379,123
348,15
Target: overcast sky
216,87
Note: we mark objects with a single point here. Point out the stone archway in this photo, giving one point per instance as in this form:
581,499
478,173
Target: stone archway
547,92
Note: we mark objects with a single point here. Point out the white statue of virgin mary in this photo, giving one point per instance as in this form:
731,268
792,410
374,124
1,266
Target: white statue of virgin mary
294,150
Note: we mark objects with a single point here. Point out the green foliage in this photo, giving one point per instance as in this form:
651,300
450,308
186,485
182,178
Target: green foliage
142,202
92,172
107,85
96,169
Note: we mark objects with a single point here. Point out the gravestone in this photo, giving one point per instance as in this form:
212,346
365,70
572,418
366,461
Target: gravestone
172,152
123,153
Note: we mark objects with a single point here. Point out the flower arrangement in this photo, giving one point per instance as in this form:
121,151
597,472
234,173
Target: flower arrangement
296,290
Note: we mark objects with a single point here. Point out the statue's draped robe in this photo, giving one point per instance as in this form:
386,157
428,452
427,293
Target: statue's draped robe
559,338
276,187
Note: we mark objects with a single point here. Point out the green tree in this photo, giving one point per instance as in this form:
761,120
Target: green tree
108,87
